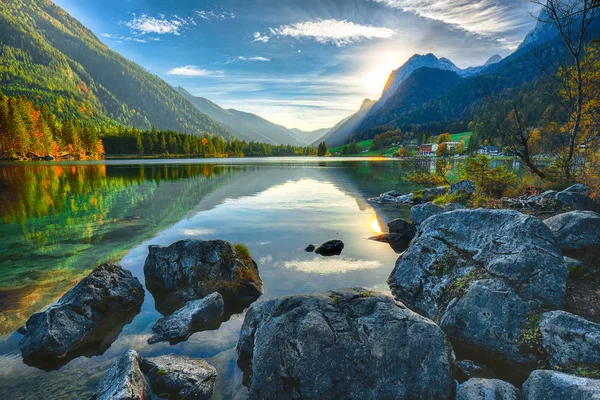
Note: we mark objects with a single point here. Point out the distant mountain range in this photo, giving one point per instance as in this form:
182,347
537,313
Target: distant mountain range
432,94
251,127
340,133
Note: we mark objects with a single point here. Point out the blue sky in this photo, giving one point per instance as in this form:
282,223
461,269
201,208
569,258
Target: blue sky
304,64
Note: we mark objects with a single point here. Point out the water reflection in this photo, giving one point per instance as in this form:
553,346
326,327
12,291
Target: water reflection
276,210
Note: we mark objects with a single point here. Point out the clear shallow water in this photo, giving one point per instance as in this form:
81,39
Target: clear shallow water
58,221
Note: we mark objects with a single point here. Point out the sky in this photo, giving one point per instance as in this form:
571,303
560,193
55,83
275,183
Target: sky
303,64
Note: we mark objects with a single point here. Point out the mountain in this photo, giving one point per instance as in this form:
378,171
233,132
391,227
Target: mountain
245,126
415,62
51,58
496,58
340,134
311,136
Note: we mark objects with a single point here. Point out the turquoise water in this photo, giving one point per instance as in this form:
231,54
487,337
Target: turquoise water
58,221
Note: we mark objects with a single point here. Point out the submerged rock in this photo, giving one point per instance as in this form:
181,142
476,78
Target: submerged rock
571,342
330,248
576,230
487,389
192,269
347,343
85,316
180,377
190,318
124,380
483,274
552,385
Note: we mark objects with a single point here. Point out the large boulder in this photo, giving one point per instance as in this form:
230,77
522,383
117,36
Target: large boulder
572,343
576,197
347,343
420,212
195,315
85,317
330,248
180,377
576,230
124,380
192,269
393,197
552,385
487,389
483,274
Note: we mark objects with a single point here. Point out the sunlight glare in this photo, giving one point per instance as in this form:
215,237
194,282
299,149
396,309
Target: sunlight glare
375,226
376,78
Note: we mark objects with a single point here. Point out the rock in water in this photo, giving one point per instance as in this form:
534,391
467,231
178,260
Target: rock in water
487,389
571,342
397,242
180,325
576,230
85,316
330,248
310,248
124,380
402,227
552,385
192,269
483,274
347,343
180,377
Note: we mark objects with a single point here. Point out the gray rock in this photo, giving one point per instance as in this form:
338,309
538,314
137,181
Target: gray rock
193,269
402,227
487,389
571,342
310,248
397,242
348,343
394,193
330,248
433,193
124,380
576,230
393,197
577,197
546,198
552,385
420,212
463,189
195,314
180,377
482,274
84,317
467,369
573,263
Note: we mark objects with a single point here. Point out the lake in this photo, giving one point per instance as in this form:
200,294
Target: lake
60,220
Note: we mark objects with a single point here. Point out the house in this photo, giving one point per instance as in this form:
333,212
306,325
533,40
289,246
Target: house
489,150
428,149
451,146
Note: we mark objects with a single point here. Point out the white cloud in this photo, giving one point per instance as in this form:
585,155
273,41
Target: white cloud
215,15
192,70
120,39
492,18
161,25
197,232
333,31
258,37
255,58
331,266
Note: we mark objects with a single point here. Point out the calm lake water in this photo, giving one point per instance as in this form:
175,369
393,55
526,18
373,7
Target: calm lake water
58,221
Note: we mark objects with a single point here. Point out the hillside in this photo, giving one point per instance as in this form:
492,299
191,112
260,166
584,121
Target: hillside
310,136
340,133
50,58
246,126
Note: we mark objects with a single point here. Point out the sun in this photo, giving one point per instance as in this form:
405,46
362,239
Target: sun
375,226
379,72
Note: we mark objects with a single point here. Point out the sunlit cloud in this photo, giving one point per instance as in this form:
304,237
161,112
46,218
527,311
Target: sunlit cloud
331,266
331,31
491,18
192,70
258,37
161,25
255,58
197,232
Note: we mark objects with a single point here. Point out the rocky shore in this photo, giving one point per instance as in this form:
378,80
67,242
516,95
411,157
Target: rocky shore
487,304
